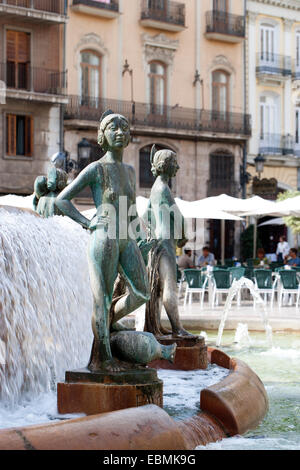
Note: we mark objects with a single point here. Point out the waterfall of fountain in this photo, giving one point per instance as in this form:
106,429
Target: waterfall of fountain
237,285
45,302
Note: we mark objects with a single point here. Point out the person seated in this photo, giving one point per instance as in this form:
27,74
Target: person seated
185,261
293,260
206,259
261,260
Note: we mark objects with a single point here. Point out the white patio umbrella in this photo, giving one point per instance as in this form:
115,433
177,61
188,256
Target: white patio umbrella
276,221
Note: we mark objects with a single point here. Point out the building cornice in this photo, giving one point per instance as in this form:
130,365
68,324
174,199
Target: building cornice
290,4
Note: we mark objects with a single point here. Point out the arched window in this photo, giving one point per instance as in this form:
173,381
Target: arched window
220,91
90,79
157,86
146,177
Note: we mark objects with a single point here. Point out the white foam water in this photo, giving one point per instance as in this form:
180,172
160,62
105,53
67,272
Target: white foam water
182,389
45,303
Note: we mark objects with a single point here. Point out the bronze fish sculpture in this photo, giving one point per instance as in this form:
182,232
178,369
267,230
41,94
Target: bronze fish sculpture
139,347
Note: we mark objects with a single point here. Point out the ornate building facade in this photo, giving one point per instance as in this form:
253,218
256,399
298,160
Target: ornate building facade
273,89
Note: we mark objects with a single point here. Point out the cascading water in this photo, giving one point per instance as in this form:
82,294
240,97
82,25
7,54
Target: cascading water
45,302
236,287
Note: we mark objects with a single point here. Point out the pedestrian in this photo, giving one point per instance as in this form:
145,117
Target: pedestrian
282,250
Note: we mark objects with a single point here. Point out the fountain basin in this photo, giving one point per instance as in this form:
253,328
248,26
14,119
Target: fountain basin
233,406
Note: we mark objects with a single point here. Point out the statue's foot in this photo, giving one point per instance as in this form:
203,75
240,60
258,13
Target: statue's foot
114,365
183,333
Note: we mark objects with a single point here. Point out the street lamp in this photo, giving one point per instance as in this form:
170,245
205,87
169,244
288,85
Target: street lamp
259,164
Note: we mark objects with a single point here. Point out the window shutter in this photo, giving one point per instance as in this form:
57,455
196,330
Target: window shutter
23,47
11,46
11,125
28,136
17,46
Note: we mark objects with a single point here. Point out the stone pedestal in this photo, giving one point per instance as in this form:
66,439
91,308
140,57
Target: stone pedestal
191,353
99,392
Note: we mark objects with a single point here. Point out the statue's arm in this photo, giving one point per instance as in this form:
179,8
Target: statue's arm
63,202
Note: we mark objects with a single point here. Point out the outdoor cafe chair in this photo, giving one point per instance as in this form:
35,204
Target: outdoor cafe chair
222,281
264,284
196,282
289,285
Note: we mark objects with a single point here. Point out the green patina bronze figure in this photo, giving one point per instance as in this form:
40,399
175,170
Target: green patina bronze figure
166,224
46,189
111,250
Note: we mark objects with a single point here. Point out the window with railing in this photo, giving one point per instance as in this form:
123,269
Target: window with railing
17,59
163,10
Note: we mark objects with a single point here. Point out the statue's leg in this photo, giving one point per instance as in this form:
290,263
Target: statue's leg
133,269
103,257
167,274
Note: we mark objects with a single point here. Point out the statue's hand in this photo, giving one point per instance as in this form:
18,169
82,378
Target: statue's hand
98,221
145,247
181,243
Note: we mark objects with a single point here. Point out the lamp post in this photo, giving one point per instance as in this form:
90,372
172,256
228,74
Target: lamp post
259,164
84,151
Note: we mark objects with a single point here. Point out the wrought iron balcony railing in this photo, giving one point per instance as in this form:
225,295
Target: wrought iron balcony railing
112,5
225,23
273,64
163,10
49,6
167,117
27,78
276,144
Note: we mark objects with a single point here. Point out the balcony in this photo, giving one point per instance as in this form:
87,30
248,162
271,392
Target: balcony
163,117
46,11
166,15
222,26
103,8
270,67
276,144
26,82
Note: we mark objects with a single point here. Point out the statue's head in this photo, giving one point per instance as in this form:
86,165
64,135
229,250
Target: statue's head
114,132
164,162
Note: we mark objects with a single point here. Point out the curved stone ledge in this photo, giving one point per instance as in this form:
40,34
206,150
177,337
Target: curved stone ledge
144,428
233,406
239,401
